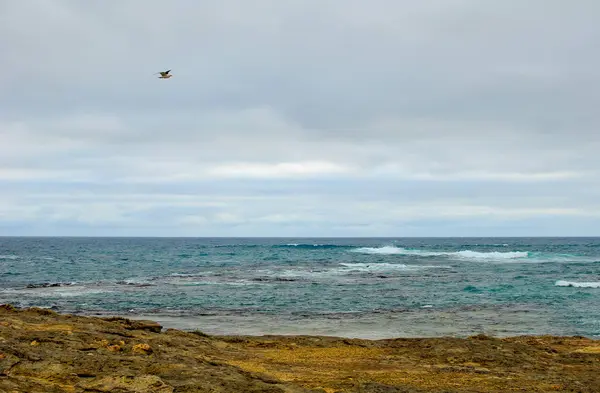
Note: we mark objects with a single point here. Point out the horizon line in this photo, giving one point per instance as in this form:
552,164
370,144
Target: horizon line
299,237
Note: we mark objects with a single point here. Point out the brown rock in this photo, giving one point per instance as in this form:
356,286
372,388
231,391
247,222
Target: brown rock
131,324
133,384
114,348
150,326
142,348
104,356
8,307
7,361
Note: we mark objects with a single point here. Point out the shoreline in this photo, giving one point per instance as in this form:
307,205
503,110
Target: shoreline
429,323
44,351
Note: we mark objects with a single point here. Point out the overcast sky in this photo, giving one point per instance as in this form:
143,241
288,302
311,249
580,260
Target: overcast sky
300,118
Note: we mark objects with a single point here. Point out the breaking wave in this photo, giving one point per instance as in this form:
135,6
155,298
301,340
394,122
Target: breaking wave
310,246
57,289
562,283
465,254
374,267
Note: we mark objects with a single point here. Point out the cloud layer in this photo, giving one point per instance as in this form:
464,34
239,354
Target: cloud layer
299,118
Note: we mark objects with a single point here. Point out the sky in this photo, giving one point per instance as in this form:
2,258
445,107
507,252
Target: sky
300,118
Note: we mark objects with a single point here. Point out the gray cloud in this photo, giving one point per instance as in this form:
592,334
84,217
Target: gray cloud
444,117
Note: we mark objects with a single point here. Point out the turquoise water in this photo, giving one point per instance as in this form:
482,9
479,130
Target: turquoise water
370,288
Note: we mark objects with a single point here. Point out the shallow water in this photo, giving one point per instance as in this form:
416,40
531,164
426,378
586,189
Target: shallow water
371,288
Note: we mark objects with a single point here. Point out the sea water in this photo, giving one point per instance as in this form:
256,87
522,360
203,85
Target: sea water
369,288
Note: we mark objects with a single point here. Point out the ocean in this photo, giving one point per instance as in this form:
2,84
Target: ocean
350,287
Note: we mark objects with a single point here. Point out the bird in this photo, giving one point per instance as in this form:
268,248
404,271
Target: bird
164,74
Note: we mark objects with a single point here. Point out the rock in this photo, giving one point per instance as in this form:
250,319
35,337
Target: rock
142,348
8,307
129,384
150,326
113,356
7,361
131,324
114,348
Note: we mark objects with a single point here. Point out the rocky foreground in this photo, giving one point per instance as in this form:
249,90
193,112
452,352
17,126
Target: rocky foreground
42,351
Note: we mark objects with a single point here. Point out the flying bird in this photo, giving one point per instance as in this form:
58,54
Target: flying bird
164,74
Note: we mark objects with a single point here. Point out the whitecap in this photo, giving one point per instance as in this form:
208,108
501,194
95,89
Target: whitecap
59,291
464,255
211,282
562,283
187,275
468,254
375,266
135,282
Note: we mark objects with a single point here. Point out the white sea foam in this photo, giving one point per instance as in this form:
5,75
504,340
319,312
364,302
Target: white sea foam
345,267
136,282
309,245
464,255
212,282
62,291
302,274
369,267
562,283
197,274
467,254
11,257
78,291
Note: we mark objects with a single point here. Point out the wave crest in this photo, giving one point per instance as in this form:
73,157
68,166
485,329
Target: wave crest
465,254
309,245
562,283
375,266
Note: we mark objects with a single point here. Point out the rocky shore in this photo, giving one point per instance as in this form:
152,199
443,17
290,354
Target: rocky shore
45,352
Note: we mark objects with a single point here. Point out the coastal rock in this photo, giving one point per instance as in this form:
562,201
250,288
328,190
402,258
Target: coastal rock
7,361
144,349
88,354
129,384
114,348
150,326
140,324
8,307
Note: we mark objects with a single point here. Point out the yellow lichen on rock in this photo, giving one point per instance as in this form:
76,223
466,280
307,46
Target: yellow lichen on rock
141,384
142,348
114,348
112,356
589,349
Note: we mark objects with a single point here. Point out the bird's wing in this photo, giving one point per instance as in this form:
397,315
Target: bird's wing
167,71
